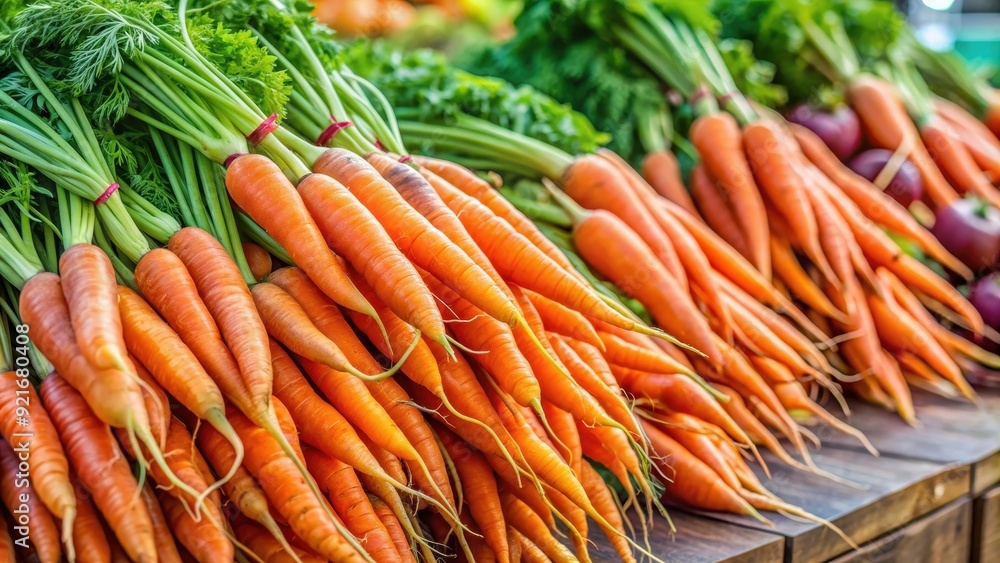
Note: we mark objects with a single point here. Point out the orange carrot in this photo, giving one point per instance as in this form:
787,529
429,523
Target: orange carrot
889,125
721,146
480,491
101,466
603,499
471,185
258,259
787,267
33,521
49,468
87,281
716,210
288,322
287,492
166,548
661,170
954,160
88,532
423,244
391,524
267,548
694,483
351,503
522,518
595,183
776,168
352,231
261,189
203,538
562,320
876,204
618,253
113,395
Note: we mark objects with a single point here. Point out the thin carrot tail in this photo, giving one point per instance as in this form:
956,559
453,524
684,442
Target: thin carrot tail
496,439
221,424
147,439
271,525
68,517
842,426
392,370
538,344
778,505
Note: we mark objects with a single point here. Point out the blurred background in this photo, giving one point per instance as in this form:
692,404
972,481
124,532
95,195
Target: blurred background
972,27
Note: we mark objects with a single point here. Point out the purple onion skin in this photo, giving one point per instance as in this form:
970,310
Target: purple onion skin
905,187
985,297
970,229
840,130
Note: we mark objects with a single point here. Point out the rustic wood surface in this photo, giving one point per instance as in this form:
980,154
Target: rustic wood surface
700,540
950,432
943,535
986,535
890,494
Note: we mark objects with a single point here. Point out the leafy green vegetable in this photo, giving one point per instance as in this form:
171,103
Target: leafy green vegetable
753,77
423,85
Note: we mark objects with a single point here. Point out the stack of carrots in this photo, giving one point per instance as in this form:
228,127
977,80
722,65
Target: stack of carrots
290,340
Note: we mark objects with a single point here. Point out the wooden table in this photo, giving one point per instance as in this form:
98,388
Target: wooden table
933,495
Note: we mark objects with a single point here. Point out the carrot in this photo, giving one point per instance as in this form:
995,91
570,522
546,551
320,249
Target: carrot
267,548
289,494
961,118
776,168
692,258
530,553
350,396
881,251
27,510
480,491
596,183
242,490
662,172
899,331
604,501
695,483
474,186
793,396
260,261
288,322
113,395
169,288
621,352
50,476
876,204
166,548
261,189
954,160
618,253
692,436
202,538
423,244
351,230
886,120
88,279
560,319
522,263
721,147
609,399
716,210
101,466
351,503
522,518
88,532
477,331
173,365
787,267
391,524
